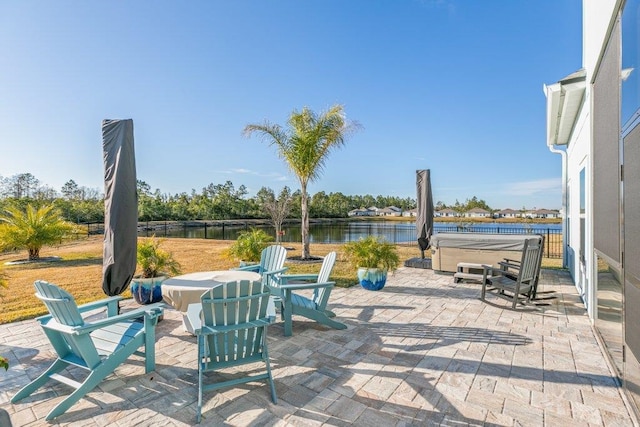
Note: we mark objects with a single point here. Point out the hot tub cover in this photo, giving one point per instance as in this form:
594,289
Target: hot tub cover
494,242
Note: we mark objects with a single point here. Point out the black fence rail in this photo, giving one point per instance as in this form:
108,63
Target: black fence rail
333,231
552,236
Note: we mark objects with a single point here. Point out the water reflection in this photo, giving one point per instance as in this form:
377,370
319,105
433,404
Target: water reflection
342,232
609,316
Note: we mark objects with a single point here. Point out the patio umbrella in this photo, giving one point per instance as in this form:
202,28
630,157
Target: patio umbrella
424,219
120,206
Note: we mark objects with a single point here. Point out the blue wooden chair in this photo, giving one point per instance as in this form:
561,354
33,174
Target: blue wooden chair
314,308
233,332
271,266
98,346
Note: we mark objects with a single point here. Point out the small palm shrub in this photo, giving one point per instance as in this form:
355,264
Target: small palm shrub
33,228
154,261
372,252
249,245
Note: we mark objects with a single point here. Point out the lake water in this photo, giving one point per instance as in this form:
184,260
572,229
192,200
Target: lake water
392,231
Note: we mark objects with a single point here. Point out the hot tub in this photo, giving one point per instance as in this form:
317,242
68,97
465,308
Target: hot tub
448,249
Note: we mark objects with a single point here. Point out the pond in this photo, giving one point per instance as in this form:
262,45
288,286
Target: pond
341,232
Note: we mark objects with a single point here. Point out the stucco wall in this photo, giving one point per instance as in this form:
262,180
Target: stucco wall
596,15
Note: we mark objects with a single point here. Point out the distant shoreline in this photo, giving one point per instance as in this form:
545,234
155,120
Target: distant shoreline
97,227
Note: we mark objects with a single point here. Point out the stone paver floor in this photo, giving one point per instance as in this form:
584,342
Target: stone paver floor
422,351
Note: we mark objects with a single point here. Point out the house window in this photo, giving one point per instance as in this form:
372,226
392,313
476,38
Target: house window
630,107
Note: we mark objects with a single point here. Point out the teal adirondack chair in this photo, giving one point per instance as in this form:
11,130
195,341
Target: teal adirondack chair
271,265
314,308
233,332
98,346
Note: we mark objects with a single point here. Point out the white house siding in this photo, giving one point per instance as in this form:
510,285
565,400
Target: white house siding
577,159
598,16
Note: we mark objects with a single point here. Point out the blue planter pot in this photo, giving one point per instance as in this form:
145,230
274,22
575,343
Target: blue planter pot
147,291
372,279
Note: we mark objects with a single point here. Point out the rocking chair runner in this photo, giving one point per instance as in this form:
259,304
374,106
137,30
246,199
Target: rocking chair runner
516,284
98,347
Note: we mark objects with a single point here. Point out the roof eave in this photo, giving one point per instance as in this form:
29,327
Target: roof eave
564,102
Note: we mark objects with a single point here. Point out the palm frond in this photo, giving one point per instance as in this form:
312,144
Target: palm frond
305,146
33,228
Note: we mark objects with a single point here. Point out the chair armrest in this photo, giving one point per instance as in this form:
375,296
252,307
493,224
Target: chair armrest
284,278
506,264
298,286
494,273
111,302
489,272
150,311
206,330
194,311
280,270
255,268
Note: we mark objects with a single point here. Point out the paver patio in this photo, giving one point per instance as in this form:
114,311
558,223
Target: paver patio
422,351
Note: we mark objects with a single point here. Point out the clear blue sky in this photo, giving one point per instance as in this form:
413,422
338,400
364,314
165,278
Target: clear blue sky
454,86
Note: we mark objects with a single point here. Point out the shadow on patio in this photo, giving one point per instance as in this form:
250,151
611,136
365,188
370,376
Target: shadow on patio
423,351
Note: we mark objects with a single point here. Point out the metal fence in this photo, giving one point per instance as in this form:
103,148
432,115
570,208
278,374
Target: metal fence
552,236
335,232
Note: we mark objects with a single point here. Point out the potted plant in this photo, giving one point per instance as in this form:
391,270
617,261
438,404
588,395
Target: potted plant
248,246
373,257
156,264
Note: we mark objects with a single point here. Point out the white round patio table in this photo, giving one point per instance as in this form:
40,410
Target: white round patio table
180,291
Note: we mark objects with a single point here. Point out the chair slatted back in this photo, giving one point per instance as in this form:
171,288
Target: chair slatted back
64,310
327,267
60,303
234,303
272,258
529,262
321,295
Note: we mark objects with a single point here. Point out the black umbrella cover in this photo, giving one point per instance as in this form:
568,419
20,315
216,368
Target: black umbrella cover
120,206
424,218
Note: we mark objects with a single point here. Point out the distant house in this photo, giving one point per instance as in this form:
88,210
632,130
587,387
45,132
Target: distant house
508,213
361,212
446,213
546,213
477,213
410,212
389,211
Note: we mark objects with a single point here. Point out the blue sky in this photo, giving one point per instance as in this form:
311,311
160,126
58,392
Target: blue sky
454,86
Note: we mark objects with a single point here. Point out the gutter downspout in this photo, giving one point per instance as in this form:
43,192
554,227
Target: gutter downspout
565,217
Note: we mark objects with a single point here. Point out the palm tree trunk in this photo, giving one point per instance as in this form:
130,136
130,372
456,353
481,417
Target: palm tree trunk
278,230
305,220
34,254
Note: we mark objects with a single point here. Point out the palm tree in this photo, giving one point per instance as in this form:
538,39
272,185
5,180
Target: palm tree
305,145
32,228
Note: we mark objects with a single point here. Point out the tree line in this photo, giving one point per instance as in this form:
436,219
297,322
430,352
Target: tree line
81,204
469,204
